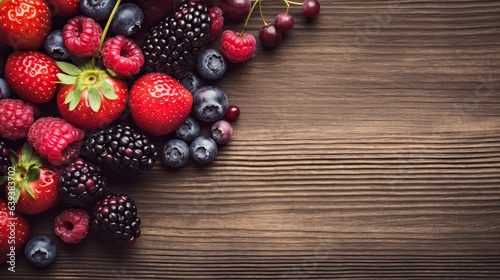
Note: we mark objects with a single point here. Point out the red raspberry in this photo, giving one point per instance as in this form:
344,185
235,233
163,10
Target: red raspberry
217,23
56,140
122,56
235,48
82,36
72,225
16,118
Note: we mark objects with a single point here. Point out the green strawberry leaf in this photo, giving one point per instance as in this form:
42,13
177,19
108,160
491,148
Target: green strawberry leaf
94,98
71,95
76,99
26,152
4,179
68,68
33,174
66,79
27,188
13,158
108,91
111,73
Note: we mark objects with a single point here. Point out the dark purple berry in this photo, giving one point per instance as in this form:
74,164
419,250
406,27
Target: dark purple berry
189,129
203,150
5,91
191,81
40,250
175,153
211,64
54,45
128,19
97,9
209,104
221,132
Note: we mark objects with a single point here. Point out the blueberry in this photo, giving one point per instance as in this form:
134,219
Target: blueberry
40,250
209,104
5,91
189,129
191,81
221,132
175,153
211,64
203,150
127,20
97,9
54,45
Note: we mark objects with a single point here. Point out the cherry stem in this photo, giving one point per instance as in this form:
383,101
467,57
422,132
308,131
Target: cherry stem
108,24
248,17
293,3
262,14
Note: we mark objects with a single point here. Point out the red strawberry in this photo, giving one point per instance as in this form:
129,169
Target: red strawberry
24,23
56,140
32,76
235,48
34,182
89,98
122,56
64,8
16,118
14,232
159,103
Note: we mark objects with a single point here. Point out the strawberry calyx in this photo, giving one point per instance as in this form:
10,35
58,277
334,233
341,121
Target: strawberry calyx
26,166
90,85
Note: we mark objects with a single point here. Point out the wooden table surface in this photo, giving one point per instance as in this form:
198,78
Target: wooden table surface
368,147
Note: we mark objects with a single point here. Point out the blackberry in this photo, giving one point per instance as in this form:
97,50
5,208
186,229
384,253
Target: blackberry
116,216
120,148
172,46
4,158
82,184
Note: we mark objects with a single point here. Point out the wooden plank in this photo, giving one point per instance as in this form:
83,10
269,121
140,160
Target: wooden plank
368,147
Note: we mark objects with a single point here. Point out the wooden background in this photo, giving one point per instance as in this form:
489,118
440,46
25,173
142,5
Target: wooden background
368,147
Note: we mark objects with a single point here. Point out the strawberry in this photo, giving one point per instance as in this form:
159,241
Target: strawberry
64,8
14,232
159,103
34,183
24,23
32,76
89,97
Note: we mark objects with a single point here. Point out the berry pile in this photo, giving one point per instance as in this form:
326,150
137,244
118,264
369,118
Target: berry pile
81,96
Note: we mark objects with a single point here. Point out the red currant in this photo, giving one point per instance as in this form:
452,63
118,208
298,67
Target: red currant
232,112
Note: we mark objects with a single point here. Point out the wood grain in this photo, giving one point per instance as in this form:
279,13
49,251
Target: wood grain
368,147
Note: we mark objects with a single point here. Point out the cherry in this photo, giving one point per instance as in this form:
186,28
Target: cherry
232,112
310,8
270,36
283,22
234,9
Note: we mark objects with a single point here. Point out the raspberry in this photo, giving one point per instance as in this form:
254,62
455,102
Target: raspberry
235,48
122,56
72,225
217,23
56,140
82,36
16,118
